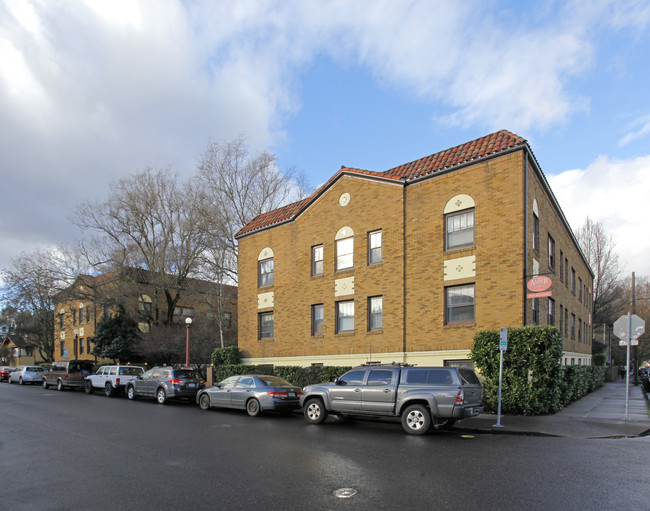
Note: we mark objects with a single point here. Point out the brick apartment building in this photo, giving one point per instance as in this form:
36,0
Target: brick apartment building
408,264
79,308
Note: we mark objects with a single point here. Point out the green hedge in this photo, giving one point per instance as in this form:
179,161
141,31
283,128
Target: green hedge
534,381
299,376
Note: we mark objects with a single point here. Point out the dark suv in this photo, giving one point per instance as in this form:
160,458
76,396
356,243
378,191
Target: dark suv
164,383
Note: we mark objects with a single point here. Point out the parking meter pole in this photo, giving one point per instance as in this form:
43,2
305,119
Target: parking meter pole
627,367
498,424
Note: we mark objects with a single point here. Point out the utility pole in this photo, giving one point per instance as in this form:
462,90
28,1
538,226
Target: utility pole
636,360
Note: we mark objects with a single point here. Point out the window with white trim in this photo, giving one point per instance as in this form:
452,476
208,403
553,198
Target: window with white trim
374,247
375,312
459,304
345,316
459,229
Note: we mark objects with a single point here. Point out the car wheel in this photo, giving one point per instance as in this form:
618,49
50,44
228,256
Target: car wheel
315,412
130,392
109,390
45,385
446,423
20,380
161,396
253,407
416,420
59,385
204,402
89,387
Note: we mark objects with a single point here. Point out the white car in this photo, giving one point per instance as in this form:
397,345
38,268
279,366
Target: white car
112,378
27,374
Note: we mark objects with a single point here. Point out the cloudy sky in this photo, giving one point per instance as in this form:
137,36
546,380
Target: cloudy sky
95,90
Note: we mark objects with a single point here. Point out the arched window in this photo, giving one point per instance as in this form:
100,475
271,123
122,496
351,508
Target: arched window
344,248
265,268
459,222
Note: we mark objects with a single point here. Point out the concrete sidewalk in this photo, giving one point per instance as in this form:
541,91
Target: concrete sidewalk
600,414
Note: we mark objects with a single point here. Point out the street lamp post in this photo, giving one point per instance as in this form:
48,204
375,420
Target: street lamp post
188,324
76,344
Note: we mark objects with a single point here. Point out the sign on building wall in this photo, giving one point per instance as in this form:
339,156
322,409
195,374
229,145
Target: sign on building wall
538,286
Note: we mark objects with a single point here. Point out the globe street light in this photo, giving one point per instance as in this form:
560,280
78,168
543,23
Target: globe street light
188,324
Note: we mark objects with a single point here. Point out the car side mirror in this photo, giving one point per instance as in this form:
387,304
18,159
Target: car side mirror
337,381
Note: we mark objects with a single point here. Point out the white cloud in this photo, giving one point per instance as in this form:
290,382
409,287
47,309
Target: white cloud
94,90
640,128
615,193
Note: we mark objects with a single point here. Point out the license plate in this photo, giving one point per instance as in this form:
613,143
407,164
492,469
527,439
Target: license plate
292,394
191,385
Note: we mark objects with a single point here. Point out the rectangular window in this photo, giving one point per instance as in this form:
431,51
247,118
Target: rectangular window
62,349
566,272
88,345
566,321
561,266
579,329
580,289
551,252
551,312
344,254
81,315
459,304
81,346
317,319
374,247
61,321
87,314
144,309
536,311
375,312
561,318
265,325
74,316
345,316
317,260
573,281
573,326
535,233
265,273
459,230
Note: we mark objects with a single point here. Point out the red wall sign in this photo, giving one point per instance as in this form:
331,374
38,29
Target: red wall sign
539,283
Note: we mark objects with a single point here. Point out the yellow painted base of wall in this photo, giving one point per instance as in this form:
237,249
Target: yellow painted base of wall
421,358
570,358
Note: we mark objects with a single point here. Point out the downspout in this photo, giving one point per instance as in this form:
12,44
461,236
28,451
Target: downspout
525,270
404,271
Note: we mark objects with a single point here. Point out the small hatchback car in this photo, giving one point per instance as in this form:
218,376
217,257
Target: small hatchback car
26,374
254,393
164,383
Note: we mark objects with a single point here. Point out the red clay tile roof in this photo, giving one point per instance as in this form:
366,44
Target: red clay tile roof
464,153
470,151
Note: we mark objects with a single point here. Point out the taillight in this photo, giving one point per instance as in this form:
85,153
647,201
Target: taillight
278,394
175,380
460,398
117,381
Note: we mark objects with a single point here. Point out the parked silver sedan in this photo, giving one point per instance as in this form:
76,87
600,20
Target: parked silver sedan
255,393
27,374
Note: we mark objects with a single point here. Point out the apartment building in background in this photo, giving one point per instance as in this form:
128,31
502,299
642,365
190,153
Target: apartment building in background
79,308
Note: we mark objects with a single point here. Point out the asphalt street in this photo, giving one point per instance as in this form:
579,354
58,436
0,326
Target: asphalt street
68,451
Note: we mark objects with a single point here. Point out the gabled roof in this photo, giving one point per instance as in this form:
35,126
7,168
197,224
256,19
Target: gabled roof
484,147
16,340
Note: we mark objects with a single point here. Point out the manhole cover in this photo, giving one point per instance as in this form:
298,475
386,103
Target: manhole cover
345,493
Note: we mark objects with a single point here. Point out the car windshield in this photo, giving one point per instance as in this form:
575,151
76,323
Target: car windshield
185,374
274,381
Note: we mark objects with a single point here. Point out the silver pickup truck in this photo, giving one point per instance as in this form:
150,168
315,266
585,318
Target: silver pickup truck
422,397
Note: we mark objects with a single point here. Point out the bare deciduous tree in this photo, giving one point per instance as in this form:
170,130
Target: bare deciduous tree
599,249
149,221
236,187
31,284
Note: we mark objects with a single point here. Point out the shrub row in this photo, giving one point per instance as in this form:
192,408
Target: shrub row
534,381
299,376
